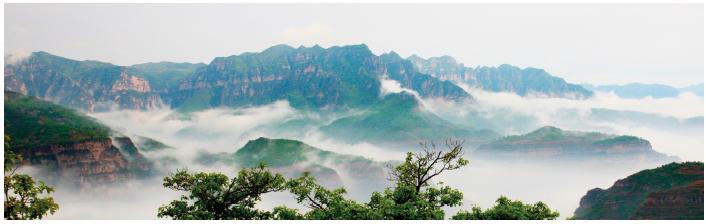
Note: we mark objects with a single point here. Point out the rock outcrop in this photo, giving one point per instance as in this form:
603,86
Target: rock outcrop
67,145
505,78
307,77
347,76
673,191
87,162
138,163
83,85
685,202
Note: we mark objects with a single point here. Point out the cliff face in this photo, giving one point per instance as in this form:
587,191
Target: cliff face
660,193
66,144
79,85
138,164
504,78
427,85
307,77
90,162
685,202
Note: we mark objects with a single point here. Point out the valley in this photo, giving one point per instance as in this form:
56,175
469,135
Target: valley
343,114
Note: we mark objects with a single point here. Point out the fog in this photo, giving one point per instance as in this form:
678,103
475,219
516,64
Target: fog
510,114
482,182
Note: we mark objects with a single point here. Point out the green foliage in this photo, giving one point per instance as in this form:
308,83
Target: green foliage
637,187
509,210
201,100
550,134
398,117
620,139
37,122
406,201
412,198
277,152
308,77
21,191
149,145
552,137
164,75
215,197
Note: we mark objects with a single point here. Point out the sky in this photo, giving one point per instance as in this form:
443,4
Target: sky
599,44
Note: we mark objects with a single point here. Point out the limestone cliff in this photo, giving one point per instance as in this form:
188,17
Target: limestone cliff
138,163
67,145
307,77
347,76
505,78
648,194
88,162
83,85
685,202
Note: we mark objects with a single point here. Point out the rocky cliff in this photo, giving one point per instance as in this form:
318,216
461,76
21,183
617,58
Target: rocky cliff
66,144
426,85
664,186
347,76
556,145
685,202
138,164
85,163
505,78
307,77
83,85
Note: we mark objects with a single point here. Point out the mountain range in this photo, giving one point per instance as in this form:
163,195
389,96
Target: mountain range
640,91
504,78
554,145
309,78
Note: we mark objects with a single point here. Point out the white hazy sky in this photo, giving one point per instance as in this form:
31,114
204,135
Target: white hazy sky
599,44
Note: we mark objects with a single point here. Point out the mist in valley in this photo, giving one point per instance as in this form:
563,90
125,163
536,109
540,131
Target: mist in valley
561,186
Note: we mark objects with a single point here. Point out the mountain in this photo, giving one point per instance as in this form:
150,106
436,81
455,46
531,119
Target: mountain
399,117
505,78
292,157
308,78
696,89
163,76
84,85
347,76
637,90
553,144
66,143
686,202
644,194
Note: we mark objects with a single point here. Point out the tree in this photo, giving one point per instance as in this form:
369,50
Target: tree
418,169
407,200
509,210
413,197
24,202
215,197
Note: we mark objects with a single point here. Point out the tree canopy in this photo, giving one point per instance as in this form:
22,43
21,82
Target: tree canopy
509,210
412,198
21,192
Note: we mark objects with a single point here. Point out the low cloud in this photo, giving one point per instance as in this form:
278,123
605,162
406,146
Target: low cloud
510,114
482,182
16,57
